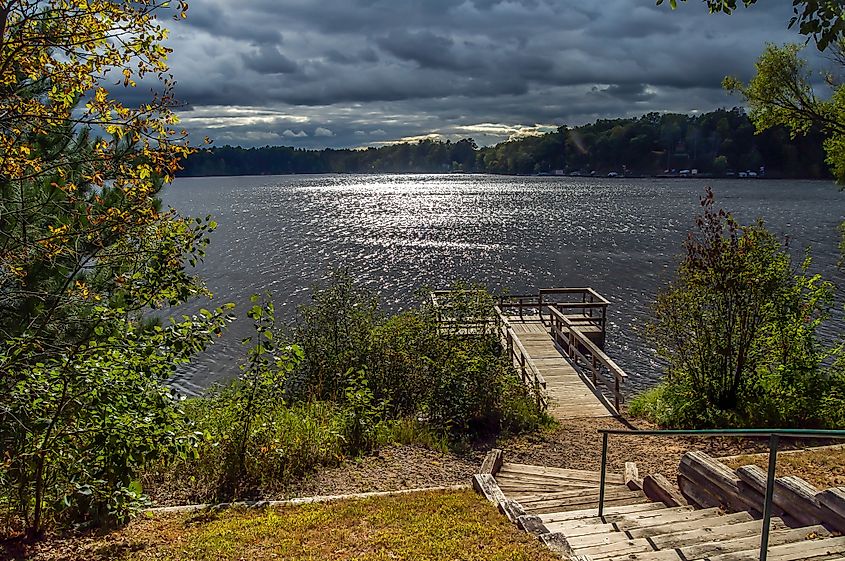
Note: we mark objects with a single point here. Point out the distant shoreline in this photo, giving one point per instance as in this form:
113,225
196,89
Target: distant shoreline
538,175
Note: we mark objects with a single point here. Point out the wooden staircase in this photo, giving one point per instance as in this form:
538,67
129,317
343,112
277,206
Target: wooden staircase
559,506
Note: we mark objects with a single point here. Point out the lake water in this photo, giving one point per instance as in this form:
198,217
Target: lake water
398,233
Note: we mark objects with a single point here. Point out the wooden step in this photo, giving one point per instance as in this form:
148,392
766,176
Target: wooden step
696,524
589,540
594,512
661,518
560,526
664,555
816,550
561,473
614,550
776,537
681,538
535,489
587,494
579,503
542,480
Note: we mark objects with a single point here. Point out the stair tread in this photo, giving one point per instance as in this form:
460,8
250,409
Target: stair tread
682,538
696,524
593,512
592,494
580,503
826,548
562,473
776,537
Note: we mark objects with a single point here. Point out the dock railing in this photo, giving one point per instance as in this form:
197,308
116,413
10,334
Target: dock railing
584,305
528,371
774,436
580,348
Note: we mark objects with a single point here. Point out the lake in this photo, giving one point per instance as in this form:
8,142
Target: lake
399,233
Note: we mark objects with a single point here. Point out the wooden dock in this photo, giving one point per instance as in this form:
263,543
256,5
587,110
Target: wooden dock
556,341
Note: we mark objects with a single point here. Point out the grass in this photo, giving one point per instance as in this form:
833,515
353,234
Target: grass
823,468
432,526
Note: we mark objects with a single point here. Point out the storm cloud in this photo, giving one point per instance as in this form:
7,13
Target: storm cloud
344,73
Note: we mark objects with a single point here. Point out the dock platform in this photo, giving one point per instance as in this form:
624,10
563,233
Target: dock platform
556,341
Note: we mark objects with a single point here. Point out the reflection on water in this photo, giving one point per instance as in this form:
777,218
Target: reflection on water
396,234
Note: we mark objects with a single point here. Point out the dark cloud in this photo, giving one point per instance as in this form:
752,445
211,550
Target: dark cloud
260,72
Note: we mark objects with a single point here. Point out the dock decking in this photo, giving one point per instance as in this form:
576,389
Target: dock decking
555,339
567,393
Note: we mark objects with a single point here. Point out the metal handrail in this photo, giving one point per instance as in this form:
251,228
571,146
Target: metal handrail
774,439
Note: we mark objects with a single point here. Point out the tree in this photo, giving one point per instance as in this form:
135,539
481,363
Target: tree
823,21
737,328
85,253
781,94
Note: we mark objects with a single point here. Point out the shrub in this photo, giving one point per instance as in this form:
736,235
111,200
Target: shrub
288,442
737,330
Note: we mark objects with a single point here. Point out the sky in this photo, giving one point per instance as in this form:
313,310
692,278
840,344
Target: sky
351,73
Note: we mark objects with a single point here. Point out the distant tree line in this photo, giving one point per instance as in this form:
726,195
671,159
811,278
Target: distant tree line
716,143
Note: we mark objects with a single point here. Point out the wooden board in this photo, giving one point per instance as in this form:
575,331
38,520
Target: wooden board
561,473
568,396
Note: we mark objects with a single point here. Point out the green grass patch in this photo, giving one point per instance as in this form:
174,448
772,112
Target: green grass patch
432,526
823,467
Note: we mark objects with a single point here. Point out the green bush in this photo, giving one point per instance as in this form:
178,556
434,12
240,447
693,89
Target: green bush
454,383
288,442
737,331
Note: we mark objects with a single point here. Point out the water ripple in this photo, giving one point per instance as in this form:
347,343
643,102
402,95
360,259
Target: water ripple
398,233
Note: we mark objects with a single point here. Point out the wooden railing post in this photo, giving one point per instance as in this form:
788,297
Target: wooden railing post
616,393
595,376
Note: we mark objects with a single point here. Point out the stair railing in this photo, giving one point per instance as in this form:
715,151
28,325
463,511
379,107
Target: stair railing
774,436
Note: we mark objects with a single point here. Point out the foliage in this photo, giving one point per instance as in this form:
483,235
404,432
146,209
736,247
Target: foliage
334,331
823,21
781,95
717,143
412,365
737,330
286,442
78,429
258,393
85,252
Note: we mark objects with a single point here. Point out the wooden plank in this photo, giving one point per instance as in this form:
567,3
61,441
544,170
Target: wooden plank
693,524
578,503
832,502
682,538
625,548
797,498
665,555
531,524
575,530
557,543
485,484
776,537
812,549
657,488
594,512
512,509
509,478
632,477
492,462
562,473
586,494
597,539
697,494
661,517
